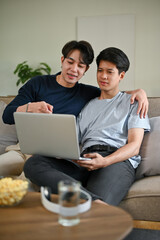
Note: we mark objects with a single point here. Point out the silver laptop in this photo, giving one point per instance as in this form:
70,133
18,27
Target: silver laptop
53,135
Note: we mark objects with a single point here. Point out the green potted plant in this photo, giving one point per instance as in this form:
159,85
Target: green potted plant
25,72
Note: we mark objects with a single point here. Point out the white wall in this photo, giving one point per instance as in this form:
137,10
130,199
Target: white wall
36,30
125,41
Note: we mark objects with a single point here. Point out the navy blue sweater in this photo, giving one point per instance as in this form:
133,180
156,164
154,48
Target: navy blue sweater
45,88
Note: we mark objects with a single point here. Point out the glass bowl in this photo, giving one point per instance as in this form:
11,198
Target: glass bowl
12,191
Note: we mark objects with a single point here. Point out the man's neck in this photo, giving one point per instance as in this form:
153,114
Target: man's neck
108,94
61,81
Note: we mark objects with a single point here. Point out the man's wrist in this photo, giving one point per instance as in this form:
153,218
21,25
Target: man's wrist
27,107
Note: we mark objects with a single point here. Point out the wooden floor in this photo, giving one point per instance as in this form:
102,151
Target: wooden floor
146,225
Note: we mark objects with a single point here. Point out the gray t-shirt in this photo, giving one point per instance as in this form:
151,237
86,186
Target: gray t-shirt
107,122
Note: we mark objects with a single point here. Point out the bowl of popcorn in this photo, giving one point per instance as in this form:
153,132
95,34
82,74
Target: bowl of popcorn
12,191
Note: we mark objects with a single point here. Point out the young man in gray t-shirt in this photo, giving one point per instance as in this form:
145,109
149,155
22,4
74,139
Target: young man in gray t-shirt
111,131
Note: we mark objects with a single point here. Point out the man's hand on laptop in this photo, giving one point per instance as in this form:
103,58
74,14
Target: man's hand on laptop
36,107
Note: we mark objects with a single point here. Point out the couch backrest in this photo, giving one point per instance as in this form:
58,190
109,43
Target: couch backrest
154,105
7,99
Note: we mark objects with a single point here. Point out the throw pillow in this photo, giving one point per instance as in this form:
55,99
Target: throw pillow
150,151
8,135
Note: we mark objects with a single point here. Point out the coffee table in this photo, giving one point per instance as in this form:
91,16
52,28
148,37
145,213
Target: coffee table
30,220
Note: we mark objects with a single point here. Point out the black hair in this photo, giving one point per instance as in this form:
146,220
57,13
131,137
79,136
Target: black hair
84,47
116,56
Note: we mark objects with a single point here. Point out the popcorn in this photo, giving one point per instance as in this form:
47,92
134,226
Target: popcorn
12,191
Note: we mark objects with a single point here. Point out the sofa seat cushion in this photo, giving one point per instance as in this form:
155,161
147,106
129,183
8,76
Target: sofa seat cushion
143,199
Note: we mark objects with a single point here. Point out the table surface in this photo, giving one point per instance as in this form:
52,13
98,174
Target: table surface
30,220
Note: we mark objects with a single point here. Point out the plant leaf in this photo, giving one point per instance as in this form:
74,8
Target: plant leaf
47,69
19,66
18,82
25,72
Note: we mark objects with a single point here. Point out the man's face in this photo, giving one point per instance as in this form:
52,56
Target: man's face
73,69
108,77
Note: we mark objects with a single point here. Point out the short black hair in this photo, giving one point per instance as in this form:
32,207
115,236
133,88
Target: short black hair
116,56
84,47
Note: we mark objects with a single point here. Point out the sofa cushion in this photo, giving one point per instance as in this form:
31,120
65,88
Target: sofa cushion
143,199
8,134
150,151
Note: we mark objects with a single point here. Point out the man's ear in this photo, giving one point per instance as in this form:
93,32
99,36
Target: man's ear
122,74
87,67
62,59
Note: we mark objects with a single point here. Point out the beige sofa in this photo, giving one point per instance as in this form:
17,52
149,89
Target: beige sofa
143,198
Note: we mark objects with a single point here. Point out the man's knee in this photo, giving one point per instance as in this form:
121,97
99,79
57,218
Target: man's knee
29,166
